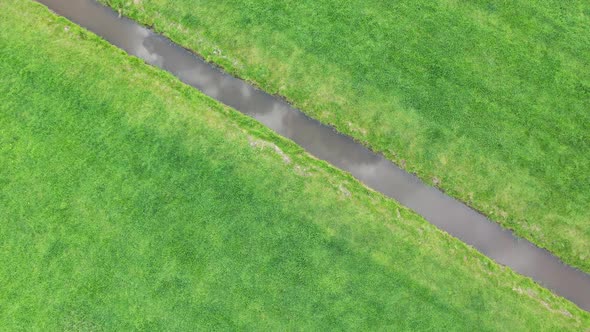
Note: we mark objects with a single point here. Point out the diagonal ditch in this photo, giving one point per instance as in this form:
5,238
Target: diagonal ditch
341,151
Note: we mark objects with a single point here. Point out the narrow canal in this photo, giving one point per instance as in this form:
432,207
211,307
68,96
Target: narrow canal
341,151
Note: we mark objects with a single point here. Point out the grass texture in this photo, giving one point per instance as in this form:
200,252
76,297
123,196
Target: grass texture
130,201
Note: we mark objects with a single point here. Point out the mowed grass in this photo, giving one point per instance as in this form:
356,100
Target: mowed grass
131,201
489,100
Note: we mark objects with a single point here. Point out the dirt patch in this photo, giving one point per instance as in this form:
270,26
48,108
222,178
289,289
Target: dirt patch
344,191
436,181
265,144
534,295
302,171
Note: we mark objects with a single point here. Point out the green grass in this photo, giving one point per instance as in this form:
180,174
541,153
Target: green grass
129,200
488,99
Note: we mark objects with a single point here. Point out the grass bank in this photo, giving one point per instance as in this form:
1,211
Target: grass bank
487,100
129,200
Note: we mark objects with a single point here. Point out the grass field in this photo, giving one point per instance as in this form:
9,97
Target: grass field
131,201
488,99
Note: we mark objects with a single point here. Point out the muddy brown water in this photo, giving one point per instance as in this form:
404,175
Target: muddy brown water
341,151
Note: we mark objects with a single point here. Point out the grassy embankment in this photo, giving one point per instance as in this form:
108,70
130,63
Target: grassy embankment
131,201
487,100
